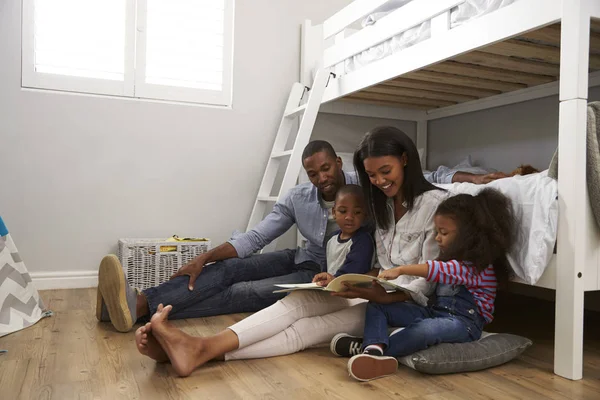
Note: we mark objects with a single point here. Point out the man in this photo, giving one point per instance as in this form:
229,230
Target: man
239,281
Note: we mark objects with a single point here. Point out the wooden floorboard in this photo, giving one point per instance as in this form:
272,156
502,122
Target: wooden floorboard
72,356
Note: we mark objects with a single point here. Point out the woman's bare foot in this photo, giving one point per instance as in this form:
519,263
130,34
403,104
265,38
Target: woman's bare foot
185,352
148,345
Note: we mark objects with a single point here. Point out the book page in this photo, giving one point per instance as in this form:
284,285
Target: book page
299,285
290,287
337,285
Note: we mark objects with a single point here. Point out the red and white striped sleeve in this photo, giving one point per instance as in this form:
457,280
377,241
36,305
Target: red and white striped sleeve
453,273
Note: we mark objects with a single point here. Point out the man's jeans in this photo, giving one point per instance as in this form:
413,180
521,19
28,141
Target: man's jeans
453,319
232,286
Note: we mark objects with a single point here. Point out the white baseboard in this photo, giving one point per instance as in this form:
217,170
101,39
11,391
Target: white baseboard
64,279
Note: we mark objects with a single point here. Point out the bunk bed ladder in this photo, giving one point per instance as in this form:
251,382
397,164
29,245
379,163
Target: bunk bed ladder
307,113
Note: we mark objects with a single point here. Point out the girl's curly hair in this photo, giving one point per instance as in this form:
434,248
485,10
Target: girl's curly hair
486,230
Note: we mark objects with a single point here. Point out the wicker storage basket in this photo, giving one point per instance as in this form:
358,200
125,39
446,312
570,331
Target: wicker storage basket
150,262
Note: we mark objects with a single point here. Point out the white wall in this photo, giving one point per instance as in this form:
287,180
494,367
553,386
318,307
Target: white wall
344,132
79,172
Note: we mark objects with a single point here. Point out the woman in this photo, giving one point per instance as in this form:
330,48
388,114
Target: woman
402,203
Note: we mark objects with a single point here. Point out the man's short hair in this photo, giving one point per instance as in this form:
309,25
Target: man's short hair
316,146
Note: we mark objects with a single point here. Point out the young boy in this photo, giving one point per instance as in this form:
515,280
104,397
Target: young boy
350,250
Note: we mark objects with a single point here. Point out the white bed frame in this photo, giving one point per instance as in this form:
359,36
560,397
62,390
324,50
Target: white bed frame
576,267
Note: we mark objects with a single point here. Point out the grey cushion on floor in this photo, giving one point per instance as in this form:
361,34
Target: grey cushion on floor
447,358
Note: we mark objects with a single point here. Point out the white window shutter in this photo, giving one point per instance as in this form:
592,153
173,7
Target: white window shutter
184,50
178,50
78,45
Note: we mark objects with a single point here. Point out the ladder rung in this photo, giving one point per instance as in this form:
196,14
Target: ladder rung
280,154
267,198
295,111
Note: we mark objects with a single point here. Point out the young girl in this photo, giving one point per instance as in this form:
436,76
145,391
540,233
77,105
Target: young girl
474,234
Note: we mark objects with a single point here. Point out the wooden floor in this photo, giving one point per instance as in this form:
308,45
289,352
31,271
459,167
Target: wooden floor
72,356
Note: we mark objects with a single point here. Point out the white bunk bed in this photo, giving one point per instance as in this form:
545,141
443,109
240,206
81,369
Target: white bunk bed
515,53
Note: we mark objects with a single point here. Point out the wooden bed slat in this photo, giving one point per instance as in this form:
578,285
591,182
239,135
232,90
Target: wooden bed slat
551,35
350,99
550,54
426,94
402,99
509,63
451,67
442,87
515,48
464,81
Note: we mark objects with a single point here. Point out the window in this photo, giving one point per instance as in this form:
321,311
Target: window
177,50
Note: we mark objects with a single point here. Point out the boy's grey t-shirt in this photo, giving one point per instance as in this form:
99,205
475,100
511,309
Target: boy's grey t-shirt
350,256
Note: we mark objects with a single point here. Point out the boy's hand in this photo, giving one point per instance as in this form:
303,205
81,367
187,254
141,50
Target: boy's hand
390,274
323,279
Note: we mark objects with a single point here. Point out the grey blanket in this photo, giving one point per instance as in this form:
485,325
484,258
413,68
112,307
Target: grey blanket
593,158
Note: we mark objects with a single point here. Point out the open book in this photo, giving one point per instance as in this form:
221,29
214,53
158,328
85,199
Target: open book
336,285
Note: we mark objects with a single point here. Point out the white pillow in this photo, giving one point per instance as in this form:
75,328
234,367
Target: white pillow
421,153
382,11
467,162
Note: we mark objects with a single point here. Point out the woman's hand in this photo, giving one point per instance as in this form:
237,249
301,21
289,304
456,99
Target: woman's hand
376,293
390,274
323,278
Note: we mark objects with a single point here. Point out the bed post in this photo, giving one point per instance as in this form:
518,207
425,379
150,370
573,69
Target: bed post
422,140
311,51
573,248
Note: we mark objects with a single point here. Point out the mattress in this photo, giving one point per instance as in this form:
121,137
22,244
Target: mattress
470,9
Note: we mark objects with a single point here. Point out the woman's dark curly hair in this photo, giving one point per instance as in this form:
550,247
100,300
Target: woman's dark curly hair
486,230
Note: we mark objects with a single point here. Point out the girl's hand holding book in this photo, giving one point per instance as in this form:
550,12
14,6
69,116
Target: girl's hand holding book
390,274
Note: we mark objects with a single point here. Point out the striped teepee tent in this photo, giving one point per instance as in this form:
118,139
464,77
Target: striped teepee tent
20,302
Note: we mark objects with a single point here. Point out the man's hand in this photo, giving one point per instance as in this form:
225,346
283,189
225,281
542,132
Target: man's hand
376,293
487,178
323,279
192,269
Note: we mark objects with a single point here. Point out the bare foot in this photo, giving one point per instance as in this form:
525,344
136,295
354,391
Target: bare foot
185,352
148,345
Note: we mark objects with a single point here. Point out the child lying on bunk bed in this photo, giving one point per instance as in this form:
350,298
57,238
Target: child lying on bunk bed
472,174
474,234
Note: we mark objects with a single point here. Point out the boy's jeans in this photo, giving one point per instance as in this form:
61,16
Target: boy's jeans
232,286
453,319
